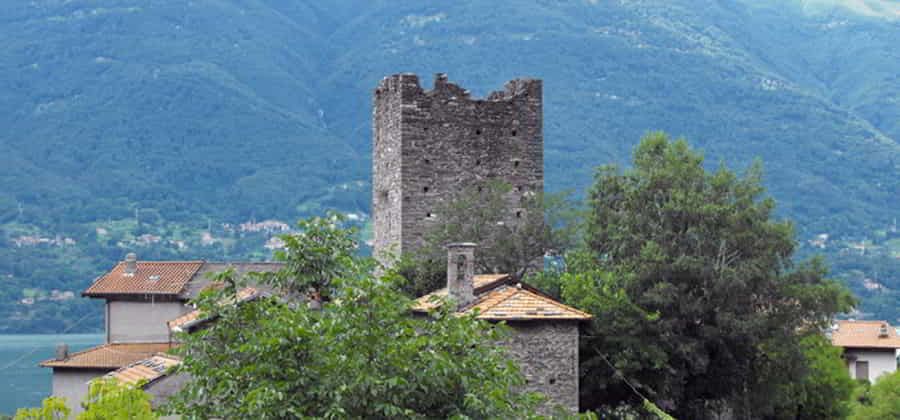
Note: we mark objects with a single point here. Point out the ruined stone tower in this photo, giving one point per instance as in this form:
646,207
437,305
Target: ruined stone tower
432,144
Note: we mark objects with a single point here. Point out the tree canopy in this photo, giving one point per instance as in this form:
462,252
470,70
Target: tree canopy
361,355
694,292
543,223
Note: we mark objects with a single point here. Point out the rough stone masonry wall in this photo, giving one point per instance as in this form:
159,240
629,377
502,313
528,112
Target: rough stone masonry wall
431,145
547,354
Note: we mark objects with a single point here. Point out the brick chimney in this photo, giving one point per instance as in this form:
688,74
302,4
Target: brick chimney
461,273
130,264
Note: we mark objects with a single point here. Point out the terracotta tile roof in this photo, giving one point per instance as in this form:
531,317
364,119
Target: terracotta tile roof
506,302
488,281
865,334
148,370
194,317
203,278
151,277
108,356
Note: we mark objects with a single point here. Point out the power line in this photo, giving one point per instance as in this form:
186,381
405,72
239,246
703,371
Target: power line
35,348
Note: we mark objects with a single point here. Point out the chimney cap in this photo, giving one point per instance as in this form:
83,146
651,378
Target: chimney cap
131,256
461,245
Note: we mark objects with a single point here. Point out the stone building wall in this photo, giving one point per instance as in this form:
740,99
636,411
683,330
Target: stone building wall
432,144
547,354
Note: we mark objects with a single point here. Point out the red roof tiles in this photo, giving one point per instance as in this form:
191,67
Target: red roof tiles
150,278
496,300
108,356
865,334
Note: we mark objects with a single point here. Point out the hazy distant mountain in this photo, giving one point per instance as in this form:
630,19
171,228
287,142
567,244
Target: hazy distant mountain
207,112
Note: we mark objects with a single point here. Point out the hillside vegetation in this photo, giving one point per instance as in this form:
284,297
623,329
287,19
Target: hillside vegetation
161,126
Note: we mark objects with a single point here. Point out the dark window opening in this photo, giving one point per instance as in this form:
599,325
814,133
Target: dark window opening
480,189
478,132
552,381
424,128
516,163
519,188
429,215
477,162
425,189
427,161
384,195
514,133
519,214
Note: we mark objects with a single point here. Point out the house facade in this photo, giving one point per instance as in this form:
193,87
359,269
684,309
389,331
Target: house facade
544,342
870,348
141,297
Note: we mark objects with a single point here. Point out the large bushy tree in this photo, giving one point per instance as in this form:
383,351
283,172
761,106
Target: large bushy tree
694,293
361,355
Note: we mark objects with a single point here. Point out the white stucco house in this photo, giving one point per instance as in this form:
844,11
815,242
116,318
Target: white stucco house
141,298
870,347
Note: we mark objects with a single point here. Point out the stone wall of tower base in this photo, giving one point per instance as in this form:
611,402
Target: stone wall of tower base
547,354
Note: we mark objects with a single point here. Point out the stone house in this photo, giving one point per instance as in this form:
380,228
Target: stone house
544,342
870,347
141,298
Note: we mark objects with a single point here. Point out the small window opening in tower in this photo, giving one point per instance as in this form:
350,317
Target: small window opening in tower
514,133
519,214
384,195
480,189
477,162
516,163
427,161
552,381
429,215
478,132
425,128
519,188
425,189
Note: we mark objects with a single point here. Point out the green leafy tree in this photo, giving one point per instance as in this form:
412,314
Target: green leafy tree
882,400
509,241
826,388
361,355
52,408
692,286
108,399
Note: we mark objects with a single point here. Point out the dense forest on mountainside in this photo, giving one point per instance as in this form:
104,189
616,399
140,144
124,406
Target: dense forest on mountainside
175,129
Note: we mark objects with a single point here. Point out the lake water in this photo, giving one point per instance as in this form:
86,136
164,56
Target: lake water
25,383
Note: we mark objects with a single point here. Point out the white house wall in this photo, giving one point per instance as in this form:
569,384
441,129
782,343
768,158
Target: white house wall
880,361
141,322
73,386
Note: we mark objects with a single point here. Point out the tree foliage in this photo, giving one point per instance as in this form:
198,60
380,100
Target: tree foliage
361,355
108,399
52,408
508,241
881,401
692,286
825,390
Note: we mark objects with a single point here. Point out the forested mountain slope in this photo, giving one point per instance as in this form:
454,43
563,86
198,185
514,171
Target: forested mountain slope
161,126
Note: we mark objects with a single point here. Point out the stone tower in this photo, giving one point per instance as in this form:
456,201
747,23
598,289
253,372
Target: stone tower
432,144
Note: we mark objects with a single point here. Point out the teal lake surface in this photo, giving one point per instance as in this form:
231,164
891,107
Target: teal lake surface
25,383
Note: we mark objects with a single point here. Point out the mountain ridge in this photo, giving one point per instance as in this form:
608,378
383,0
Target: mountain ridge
174,119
